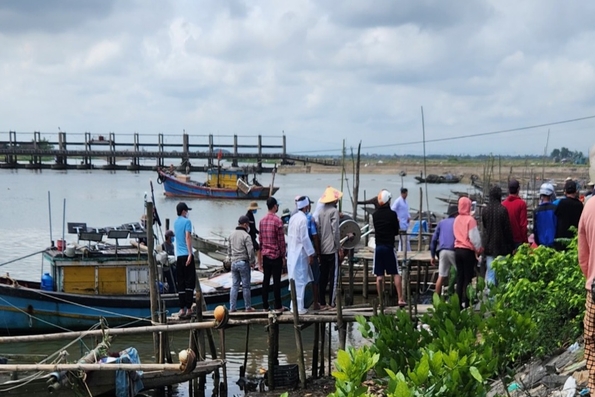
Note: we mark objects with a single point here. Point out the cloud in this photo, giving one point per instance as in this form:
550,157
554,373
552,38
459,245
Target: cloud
320,71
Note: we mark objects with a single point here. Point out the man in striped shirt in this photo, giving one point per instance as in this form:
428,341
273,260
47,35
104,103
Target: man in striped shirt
272,252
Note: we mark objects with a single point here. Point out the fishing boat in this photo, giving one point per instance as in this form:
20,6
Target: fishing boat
213,248
221,183
82,283
433,178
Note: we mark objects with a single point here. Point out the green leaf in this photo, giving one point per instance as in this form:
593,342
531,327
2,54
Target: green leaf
475,373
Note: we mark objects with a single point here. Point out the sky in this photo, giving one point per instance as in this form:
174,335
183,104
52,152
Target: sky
320,72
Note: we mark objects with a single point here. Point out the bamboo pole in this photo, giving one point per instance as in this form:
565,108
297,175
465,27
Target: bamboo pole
223,385
111,331
153,292
298,335
330,325
205,366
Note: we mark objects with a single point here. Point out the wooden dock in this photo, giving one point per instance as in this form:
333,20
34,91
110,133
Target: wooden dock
60,150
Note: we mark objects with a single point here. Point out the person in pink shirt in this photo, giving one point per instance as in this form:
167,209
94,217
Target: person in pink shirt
467,248
586,260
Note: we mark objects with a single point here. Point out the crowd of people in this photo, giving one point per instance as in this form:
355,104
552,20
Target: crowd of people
312,252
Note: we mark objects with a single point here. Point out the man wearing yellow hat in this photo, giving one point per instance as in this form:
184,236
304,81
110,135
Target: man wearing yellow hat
330,245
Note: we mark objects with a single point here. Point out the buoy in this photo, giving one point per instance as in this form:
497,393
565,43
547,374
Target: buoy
219,313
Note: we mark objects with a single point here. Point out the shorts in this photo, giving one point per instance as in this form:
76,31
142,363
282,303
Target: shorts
445,261
315,269
385,260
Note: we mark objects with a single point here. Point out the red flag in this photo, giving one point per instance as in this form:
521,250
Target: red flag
219,155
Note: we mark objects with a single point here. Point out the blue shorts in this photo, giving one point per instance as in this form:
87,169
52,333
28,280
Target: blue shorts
385,260
315,269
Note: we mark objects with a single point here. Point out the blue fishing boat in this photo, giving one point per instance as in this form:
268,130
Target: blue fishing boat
85,282
221,183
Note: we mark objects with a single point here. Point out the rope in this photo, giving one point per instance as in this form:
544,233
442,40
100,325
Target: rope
21,258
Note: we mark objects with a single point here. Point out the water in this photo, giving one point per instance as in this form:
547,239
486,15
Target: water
104,198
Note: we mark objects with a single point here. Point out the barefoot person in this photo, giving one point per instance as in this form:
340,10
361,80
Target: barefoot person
185,268
386,228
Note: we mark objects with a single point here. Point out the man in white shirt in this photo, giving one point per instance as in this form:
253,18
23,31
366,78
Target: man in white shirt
401,207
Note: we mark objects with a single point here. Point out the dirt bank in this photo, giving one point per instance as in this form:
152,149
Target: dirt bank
523,171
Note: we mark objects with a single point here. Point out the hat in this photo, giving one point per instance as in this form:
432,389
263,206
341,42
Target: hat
143,217
243,219
181,207
568,179
330,195
570,186
546,189
303,203
169,233
452,210
591,184
271,202
253,206
384,197
285,212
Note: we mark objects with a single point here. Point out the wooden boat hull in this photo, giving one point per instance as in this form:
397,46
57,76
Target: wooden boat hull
100,383
212,248
176,188
27,309
438,179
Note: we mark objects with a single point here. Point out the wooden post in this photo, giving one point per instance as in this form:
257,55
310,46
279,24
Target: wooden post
322,328
273,340
152,276
340,322
330,367
298,336
246,349
199,338
223,385
315,351
419,219
365,280
356,181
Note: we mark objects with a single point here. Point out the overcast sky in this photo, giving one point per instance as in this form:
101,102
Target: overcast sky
319,71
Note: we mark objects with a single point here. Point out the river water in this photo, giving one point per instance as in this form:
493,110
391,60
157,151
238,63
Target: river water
106,198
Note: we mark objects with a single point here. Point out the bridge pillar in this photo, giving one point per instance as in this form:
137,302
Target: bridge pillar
36,160
234,162
284,160
259,159
12,142
210,159
136,160
62,160
111,160
160,161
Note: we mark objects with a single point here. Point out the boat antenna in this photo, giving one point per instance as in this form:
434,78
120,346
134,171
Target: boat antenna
50,214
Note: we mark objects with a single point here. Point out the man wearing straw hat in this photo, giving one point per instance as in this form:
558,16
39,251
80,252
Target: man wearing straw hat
252,230
330,245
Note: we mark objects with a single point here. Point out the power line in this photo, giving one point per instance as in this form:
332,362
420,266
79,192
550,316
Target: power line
452,138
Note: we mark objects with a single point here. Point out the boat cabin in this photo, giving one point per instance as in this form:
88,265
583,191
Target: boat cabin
227,178
95,267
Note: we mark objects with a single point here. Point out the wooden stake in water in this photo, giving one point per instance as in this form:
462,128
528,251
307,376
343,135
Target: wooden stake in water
298,336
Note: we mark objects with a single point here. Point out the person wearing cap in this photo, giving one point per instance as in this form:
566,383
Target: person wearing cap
242,257
517,213
185,267
467,248
169,269
253,231
442,246
568,212
586,260
386,228
544,217
496,236
401,208
300,253
330,245
272,253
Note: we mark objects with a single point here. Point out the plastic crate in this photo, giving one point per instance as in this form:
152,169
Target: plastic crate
285,376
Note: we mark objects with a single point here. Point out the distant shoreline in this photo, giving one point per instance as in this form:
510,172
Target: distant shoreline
516,169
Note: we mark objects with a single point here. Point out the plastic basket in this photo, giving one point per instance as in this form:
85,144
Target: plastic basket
285,376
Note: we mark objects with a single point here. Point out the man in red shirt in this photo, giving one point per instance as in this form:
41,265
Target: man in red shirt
272,251
517,212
